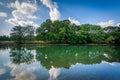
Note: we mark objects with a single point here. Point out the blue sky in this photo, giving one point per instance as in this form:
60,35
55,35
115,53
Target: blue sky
34,12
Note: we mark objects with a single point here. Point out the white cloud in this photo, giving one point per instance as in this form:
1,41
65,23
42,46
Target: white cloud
32,17
24,7
118,24
3,14
73,21
21,22
14,5
23,11
107,23
54,12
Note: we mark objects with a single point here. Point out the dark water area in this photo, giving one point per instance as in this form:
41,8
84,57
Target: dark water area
60,63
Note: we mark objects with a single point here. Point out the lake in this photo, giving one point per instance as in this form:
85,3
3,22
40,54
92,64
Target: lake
60,63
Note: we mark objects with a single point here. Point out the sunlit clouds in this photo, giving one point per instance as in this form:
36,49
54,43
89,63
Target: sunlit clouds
73,21
107,23
3,14
54,12
22,13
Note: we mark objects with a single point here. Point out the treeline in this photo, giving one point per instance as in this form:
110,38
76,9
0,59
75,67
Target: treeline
4,38
64,32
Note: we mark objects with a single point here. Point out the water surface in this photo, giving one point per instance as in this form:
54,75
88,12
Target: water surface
60,63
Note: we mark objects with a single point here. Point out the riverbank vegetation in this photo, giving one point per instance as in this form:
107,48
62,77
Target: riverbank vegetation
63,32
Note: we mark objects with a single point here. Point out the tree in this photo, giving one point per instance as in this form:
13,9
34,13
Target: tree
20,34
65,32
43,30
113,34
110,39
29,33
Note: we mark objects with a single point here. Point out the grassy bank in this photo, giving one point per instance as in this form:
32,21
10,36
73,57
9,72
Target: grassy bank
11,43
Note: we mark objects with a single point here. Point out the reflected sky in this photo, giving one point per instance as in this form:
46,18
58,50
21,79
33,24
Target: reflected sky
37,71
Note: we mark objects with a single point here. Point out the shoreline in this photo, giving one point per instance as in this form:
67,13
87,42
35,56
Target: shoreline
11,43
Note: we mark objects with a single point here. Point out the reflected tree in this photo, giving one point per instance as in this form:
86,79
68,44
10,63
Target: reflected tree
65,56
21,55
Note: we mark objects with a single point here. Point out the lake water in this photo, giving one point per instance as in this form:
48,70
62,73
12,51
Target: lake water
60,63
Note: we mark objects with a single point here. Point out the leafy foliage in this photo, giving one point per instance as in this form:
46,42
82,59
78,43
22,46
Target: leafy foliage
66,33
4,38
21,34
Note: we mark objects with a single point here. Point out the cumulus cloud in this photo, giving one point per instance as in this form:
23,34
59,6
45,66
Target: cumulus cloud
54,12
118,24
107,23
3,14
24,8
22,12
21,22
32,17
73,21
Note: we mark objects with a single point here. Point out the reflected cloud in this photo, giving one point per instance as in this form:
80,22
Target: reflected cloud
2,71
4,51
22,72
106,55
34,71
112,64
54,73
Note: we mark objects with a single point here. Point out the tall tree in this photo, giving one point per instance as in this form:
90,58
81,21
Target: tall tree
20,34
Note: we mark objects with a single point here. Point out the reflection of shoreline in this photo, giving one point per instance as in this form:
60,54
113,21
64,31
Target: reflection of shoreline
64,56
33,71
38,70
20,55
102,71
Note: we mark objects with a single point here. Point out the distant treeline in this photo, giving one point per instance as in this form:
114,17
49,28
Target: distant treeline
63,32
4,38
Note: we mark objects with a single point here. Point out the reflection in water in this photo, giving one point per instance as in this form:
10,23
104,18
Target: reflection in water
60,63
32,71
102,71
21,55
66,56
54,73
2,71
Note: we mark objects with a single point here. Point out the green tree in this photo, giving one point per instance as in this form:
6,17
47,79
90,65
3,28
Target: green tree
110,39
43,30
113,31
29,33
20,34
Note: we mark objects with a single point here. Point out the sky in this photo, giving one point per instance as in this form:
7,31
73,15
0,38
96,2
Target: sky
34,12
